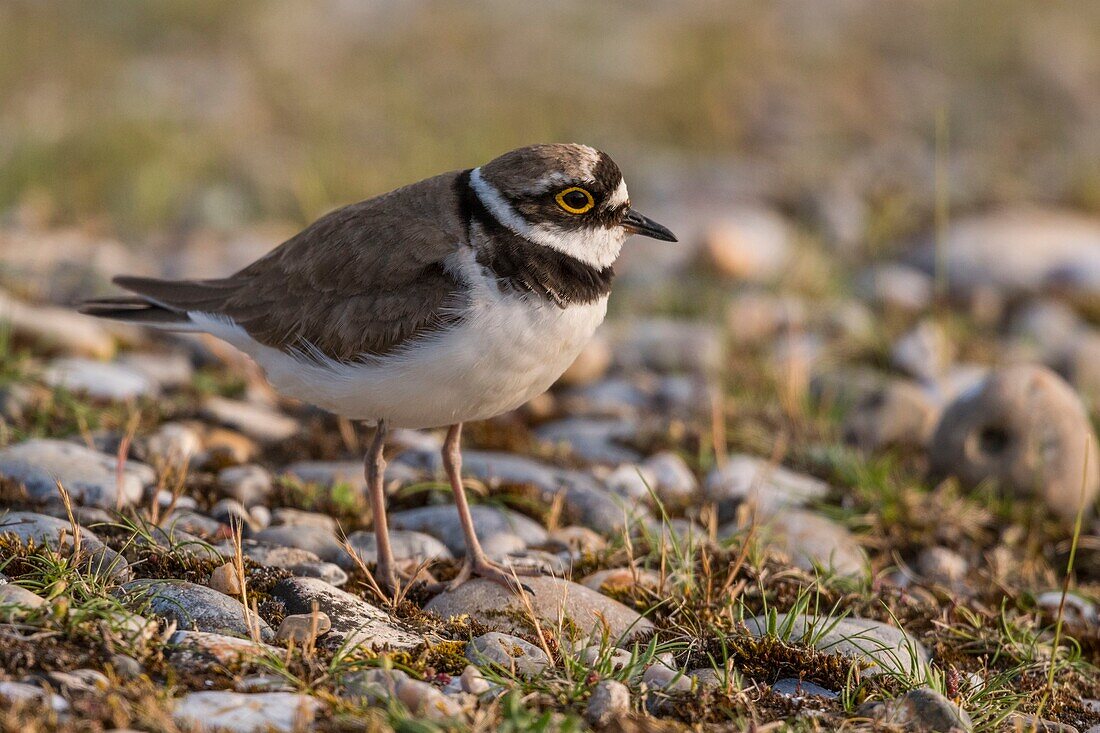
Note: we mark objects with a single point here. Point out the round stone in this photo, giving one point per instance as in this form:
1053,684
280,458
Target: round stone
510,653
90,477
303,627
610,699
551,600
1025,429
100,380
225,579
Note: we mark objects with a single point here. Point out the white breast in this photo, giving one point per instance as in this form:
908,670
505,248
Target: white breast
508,349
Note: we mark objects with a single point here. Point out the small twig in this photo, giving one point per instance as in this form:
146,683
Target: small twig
311,640
238,565
123,451
372,584
67,501
530,610
736,565
553,514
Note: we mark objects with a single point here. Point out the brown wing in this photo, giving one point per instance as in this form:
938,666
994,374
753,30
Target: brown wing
360,280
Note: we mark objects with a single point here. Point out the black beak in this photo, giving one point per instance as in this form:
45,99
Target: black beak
635,223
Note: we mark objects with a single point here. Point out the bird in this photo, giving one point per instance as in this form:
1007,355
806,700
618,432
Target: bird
450,300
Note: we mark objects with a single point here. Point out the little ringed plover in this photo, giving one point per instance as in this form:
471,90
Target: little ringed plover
453,299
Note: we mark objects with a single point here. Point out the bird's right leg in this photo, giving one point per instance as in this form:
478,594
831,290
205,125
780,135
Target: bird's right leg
385,573
476,563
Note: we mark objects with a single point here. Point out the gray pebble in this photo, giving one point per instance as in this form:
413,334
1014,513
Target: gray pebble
885,648
799,689
609,700
246,713
90,477
510,653
354,621
100,380
126,667
942,565
195,607
247,484
922,709
473,681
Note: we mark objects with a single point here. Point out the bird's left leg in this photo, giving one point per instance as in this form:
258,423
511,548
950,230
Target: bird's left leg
384,572
476,563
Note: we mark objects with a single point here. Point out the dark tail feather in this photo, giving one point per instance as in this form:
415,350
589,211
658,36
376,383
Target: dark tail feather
161,302
132,310
183,295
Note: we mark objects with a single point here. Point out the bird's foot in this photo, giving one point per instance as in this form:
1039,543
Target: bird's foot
385,577
482,567
391,580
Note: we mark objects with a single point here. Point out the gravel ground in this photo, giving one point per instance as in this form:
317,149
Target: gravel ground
761,498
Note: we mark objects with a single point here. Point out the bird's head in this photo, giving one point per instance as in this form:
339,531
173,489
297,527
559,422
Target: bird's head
571,198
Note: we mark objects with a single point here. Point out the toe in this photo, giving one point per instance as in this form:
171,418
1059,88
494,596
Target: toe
480,567
503,576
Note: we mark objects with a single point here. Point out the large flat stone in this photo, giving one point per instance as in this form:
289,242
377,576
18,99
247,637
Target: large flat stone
405,545
89,476
594,440
238,712
169,369
302,563
23,693
100,380
586,500
811,540
1016,249
256,421
552,599
354,621
60,328
194,607
667,345
192,650
441,522
886,648
318,540
745,478
16,601
58,534
329,473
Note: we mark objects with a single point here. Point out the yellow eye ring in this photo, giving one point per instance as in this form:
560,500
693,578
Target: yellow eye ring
588,204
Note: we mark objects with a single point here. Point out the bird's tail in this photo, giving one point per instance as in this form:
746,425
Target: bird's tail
161,303
133,309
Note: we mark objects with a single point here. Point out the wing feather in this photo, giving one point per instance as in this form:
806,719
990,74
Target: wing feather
361,280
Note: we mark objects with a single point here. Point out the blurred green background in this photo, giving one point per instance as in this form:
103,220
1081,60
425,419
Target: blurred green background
162,116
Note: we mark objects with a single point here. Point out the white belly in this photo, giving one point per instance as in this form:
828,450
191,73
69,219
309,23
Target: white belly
508,349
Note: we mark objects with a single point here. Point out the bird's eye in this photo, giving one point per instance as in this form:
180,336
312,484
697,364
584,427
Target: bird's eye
575,200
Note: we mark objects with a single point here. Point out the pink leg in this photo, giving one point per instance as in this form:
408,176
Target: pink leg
476,563
384,573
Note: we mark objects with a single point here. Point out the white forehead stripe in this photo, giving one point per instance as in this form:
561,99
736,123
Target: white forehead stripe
591,156
595,246
551,181
619,196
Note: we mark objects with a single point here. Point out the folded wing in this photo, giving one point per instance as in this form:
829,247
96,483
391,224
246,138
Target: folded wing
362,280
